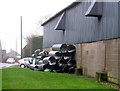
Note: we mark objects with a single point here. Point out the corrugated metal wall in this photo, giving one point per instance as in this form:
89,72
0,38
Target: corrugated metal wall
81,29
119,19
52,36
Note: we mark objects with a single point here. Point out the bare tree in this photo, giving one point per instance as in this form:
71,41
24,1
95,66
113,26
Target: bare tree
39,28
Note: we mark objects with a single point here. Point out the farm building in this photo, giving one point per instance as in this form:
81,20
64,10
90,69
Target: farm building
94,28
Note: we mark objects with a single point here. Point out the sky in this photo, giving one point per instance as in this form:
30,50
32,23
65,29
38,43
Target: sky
32,11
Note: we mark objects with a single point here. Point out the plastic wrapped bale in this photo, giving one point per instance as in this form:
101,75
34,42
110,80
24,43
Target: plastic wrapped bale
51,63
67,54
44,53
48,68
55,53
71,49
45,61
70,64
60,47
72,69
41,57
57,59
65,69
32,66
38,62
56,67
52,68
51,60
37,52
41,67
67,58
34,56
62,62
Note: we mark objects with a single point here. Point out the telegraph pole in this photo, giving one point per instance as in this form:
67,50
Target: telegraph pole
21,37
16,48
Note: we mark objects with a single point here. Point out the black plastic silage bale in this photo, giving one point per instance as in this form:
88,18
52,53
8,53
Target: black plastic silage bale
57,57
41,67
55,53
49,68
60,47
65,69
72,69
36,52
32,66
41,57
40,62
58,60
62,63
43,53
71,49
50,60
34,56
70,64
67,58
56,68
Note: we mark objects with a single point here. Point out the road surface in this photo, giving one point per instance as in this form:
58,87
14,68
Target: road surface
5,65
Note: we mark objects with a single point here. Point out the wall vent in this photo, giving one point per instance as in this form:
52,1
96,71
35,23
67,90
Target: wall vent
61,23
95,9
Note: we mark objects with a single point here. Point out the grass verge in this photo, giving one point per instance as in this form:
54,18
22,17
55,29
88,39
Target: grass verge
19,78
0,79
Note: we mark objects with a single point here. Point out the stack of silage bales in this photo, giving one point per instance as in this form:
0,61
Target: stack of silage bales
60,59
38,57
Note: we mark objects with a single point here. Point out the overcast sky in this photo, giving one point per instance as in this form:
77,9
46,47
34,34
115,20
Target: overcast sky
31,11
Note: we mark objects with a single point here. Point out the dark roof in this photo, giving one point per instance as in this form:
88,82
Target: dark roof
68,7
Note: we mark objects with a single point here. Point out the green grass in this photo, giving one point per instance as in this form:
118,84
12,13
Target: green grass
18,78
0,79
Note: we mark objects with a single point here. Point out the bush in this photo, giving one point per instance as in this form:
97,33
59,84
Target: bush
35,42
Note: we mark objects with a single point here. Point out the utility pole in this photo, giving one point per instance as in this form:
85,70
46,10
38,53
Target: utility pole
21,37
16,48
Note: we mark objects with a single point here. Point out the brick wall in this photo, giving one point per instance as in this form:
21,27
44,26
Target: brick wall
112,59
91,57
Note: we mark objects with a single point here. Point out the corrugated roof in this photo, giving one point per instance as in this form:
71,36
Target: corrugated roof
60,12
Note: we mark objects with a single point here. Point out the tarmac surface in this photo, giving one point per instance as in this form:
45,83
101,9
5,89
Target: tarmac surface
6,65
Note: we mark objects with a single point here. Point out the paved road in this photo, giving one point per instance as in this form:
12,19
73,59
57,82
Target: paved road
5,65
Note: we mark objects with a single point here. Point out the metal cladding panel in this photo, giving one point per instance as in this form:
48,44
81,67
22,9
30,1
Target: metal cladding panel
110,20
51,36
119,19
81,29
61,23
